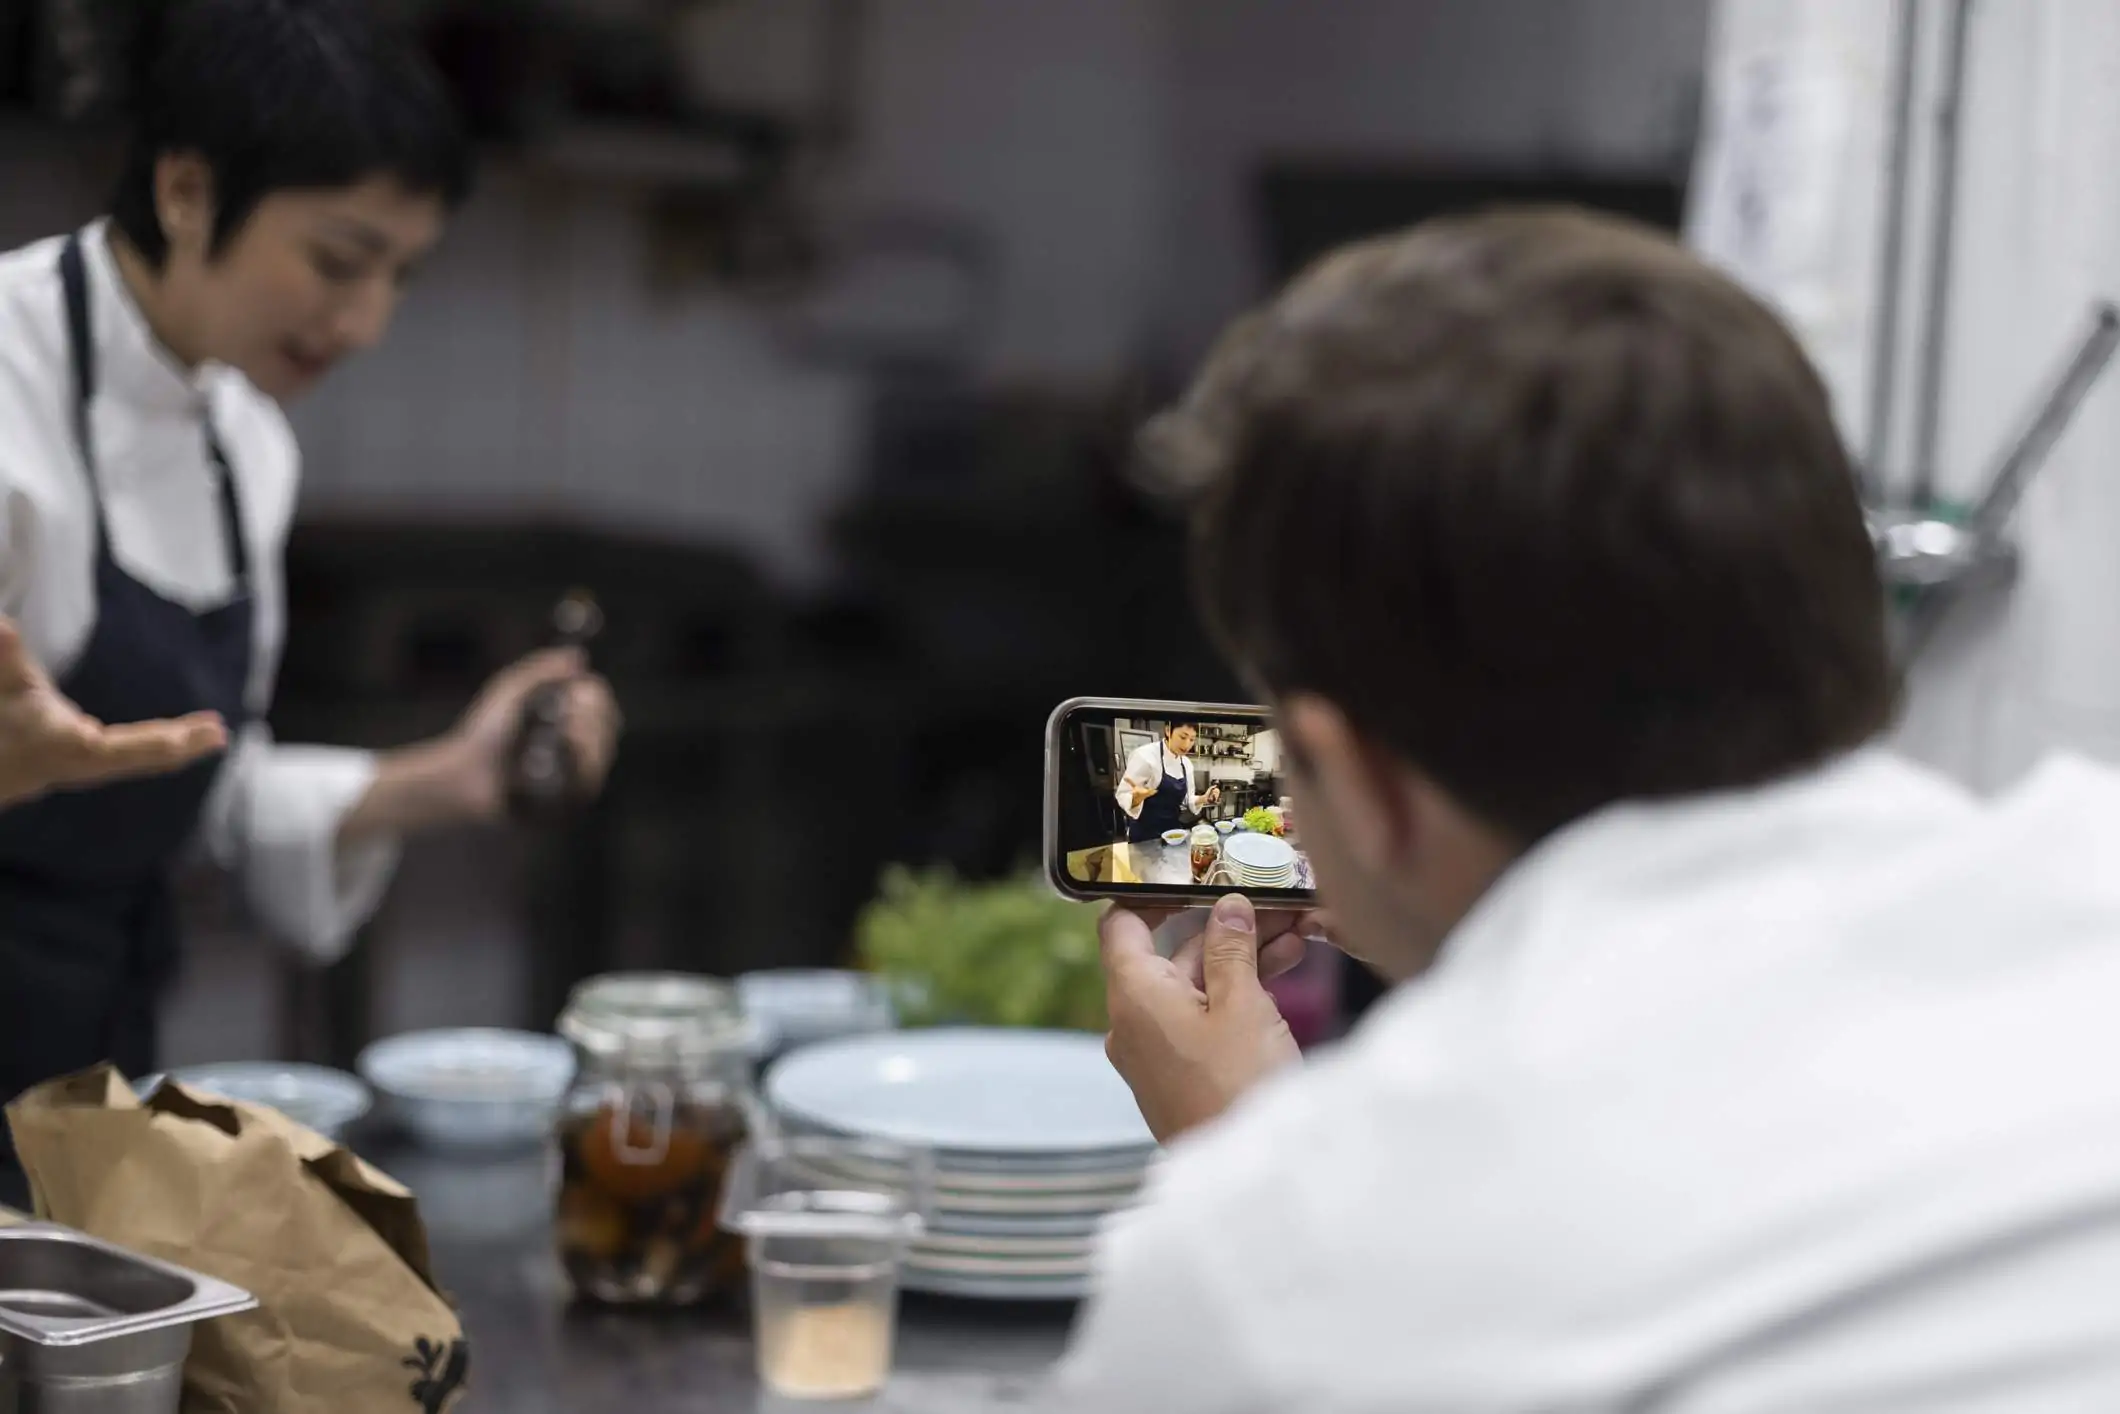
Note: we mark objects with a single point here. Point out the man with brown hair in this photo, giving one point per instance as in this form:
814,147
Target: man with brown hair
1734,1064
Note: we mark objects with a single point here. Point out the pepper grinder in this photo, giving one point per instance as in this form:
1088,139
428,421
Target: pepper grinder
544,778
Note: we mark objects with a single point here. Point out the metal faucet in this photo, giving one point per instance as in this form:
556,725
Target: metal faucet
1930,561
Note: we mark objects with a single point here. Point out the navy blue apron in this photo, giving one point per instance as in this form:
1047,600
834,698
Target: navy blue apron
88,931
1160,811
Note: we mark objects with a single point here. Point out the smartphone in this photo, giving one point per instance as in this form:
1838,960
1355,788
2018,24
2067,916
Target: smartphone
1172,802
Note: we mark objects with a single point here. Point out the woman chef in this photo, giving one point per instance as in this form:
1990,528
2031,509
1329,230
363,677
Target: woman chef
288,168
1157,786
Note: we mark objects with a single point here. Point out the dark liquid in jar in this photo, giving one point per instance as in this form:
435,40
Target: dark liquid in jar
644,1232
1203,861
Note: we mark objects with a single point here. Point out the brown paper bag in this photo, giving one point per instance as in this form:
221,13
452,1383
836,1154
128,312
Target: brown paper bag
349,1318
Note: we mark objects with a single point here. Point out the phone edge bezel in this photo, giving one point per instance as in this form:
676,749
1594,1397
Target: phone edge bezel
1051,862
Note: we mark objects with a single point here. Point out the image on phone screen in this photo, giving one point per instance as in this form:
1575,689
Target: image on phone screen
1171,799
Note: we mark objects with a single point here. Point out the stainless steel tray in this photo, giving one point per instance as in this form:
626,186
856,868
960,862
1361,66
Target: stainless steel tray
61,1288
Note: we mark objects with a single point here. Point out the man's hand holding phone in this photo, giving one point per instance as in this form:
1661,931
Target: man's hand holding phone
1192,1032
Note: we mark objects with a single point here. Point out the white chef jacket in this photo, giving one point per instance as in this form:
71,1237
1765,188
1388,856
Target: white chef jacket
273,815
1797,1100
1148,765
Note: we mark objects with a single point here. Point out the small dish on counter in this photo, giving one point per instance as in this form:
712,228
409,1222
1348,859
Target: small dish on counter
474,1088
800,1006
328,1101
1175,838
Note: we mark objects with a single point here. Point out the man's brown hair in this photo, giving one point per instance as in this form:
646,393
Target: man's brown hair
1543,503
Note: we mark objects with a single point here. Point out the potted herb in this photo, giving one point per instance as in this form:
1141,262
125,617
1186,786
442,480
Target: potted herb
1009,953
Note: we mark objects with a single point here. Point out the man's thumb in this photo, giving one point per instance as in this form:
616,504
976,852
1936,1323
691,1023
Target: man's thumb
1229,957
16,671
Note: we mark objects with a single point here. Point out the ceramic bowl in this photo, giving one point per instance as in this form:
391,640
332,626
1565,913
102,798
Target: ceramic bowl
328,1101
474,1088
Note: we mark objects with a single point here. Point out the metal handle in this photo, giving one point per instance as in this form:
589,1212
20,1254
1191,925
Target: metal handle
1891,258
2036,443
1936,561
1943,230
657,1148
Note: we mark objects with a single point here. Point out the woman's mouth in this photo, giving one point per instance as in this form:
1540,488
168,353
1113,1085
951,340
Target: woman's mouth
306,366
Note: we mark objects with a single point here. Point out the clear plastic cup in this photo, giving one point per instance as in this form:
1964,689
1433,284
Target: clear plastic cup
827,1222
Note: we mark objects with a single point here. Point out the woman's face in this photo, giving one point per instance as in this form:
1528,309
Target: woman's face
309,278
1181,741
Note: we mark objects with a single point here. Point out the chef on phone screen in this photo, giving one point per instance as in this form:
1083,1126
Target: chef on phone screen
288,167
1156,791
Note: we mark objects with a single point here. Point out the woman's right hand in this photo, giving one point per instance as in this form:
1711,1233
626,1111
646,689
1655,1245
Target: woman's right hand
47,743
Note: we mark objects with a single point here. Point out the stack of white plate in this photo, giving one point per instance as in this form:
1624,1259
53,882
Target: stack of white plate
1035,1138
1260,861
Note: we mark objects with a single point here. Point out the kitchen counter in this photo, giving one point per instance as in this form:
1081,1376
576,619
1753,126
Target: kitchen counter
534,1352
1155,862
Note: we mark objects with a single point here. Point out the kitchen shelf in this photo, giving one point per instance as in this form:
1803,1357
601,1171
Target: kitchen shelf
638,153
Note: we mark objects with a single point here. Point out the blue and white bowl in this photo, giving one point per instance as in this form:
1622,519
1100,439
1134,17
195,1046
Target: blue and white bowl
475,1088
325,1100
797,1006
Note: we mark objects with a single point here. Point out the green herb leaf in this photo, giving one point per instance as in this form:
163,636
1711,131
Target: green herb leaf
1011,953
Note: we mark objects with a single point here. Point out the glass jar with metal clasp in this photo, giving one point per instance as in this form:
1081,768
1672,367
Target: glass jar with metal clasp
662,1102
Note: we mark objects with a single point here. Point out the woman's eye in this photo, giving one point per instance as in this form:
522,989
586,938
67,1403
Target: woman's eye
337,269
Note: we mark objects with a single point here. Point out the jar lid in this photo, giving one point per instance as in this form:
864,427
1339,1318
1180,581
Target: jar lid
656,1016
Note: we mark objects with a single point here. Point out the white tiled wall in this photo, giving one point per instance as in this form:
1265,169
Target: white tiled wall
536,367
1506,83
533,369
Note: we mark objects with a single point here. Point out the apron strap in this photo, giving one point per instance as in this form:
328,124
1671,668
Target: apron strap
81,346
80,338
231,513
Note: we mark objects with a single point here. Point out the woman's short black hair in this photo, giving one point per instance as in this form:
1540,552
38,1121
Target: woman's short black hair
280,95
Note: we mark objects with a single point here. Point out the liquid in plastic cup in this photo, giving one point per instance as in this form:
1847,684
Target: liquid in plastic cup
827,1222
823,1319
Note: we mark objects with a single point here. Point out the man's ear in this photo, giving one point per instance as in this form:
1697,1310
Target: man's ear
1363,786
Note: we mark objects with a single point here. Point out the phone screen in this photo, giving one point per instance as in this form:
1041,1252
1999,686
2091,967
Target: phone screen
1170,799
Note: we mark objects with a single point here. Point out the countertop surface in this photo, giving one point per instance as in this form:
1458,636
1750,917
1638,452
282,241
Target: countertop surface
1154,862
533,1351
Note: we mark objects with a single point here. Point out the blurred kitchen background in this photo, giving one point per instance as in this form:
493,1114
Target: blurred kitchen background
808,335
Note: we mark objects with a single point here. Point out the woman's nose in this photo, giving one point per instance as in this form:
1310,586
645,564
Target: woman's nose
365,317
